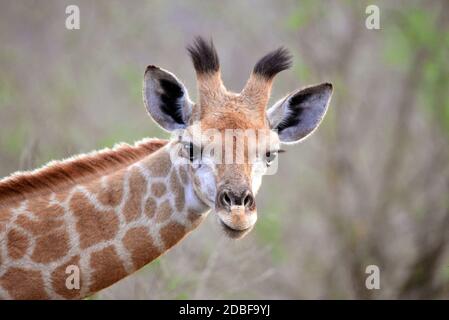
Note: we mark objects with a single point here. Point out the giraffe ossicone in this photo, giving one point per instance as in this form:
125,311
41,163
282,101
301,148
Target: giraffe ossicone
111,212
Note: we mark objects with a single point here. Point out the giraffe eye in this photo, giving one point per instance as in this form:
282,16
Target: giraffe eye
270,156
192,151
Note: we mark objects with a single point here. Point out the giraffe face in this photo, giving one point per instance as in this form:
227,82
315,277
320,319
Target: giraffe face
229,140
226,166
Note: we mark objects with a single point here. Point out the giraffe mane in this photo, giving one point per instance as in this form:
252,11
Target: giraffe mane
56,175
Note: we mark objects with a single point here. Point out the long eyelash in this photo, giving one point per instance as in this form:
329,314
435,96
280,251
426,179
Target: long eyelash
282,151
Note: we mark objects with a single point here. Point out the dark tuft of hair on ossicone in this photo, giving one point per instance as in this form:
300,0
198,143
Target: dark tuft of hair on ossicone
204,56
273,63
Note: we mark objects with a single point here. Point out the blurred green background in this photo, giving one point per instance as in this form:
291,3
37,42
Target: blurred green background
370,187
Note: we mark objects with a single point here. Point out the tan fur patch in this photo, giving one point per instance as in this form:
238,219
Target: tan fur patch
257,92
48,221
107,269
93,226
38,205
112,194
137,188
61,196
244,119
17,244
160,166
158,189
31,289
5,215
164,211
52,211
211,89
59,277
172,233
140,245
51,246
150,207
194,218
178,191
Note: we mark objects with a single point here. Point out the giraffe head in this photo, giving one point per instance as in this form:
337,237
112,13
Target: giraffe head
229,140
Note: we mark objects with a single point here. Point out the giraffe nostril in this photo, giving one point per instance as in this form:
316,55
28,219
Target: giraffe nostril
248,199
225,199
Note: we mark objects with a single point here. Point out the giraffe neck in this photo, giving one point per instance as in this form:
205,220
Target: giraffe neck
105,229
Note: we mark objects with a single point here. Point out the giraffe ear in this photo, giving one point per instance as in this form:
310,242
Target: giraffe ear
299,114
166,99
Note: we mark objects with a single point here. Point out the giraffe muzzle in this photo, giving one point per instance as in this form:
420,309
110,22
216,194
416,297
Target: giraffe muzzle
236,212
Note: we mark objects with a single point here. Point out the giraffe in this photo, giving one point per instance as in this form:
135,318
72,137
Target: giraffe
111,212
